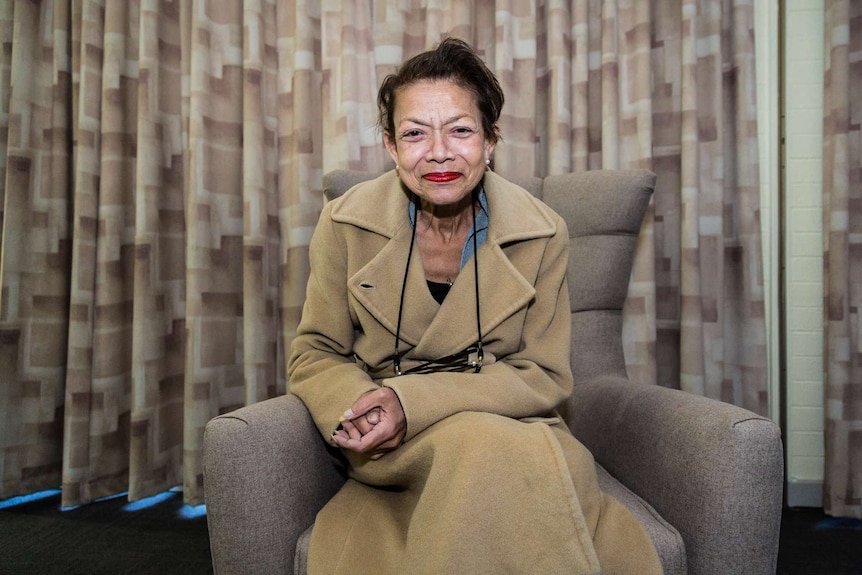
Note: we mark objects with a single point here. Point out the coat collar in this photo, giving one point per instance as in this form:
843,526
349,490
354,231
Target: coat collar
380,207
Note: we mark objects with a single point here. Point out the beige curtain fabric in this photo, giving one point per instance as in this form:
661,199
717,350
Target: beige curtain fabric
162,165
842,238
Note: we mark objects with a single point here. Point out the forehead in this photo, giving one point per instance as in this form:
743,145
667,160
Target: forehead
434,98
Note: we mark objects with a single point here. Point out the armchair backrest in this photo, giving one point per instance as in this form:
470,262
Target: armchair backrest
604,210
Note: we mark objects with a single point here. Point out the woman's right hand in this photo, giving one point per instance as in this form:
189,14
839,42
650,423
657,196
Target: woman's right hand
374,425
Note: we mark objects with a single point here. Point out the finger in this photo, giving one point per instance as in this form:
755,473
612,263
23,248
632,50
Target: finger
364,404
385,448
373,416
384,437
370,443
348,438
352,437
365,423
340,436
351,429
362,424
351,444
345,443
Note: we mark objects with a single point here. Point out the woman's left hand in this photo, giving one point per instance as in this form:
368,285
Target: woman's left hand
374,425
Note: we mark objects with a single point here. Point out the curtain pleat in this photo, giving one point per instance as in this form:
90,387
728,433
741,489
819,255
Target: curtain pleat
35,249
214,219
158,279
842,277
163,164
99,380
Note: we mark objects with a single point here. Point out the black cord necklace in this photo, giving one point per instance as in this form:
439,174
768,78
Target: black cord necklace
470,358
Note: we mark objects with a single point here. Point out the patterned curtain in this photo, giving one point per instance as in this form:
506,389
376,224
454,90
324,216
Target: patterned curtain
161,170
842,241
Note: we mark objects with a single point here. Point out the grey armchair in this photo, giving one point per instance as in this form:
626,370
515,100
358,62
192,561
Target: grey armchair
703,477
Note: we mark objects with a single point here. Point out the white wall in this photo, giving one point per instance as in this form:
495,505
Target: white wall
768,125
799,162
803,89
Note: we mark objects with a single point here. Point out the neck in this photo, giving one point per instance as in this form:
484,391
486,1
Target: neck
448,222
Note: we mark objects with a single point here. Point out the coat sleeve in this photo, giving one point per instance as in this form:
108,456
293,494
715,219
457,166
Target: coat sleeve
532,381
322,371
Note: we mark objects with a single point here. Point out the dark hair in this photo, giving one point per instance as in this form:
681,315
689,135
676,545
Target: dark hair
453,60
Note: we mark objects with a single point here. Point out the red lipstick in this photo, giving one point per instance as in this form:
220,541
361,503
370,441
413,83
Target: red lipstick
442,177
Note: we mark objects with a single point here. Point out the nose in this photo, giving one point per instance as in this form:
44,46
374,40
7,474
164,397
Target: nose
439,150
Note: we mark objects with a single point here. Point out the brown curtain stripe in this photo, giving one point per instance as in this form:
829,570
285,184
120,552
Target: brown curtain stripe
162,164
35,316
842,258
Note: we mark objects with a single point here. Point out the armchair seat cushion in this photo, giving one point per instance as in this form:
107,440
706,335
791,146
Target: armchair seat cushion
667,540
300,562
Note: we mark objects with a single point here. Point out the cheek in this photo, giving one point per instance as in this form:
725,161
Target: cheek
410,156
469,152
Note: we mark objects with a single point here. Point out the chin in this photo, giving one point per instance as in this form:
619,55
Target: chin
446,197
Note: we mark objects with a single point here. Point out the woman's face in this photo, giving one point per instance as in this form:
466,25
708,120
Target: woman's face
438,144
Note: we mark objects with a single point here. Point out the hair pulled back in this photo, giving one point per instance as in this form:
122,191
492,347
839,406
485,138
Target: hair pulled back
452,60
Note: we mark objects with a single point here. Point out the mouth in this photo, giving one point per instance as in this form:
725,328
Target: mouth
442,177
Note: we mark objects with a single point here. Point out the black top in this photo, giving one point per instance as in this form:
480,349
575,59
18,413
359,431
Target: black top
438,290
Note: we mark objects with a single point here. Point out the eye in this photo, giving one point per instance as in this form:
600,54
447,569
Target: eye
462,132
411,135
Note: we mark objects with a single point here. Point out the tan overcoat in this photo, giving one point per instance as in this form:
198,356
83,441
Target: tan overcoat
487,480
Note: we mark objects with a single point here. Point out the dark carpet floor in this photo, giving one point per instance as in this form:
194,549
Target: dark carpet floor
813,544
114,538
108,537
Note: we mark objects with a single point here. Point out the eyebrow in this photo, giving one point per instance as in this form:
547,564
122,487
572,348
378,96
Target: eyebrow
445,122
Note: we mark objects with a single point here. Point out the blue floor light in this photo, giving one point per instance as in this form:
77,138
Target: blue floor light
193,511
22,499
148,501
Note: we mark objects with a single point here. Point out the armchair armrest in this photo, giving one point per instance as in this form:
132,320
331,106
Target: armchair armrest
267,472
711,469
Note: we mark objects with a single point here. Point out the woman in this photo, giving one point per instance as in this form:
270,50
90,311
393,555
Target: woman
434,348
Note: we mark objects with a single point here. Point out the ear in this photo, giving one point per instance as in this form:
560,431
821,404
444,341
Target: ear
391,147
491,145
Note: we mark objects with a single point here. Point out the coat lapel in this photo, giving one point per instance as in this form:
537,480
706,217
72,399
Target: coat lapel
380,206
502,291
377,287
